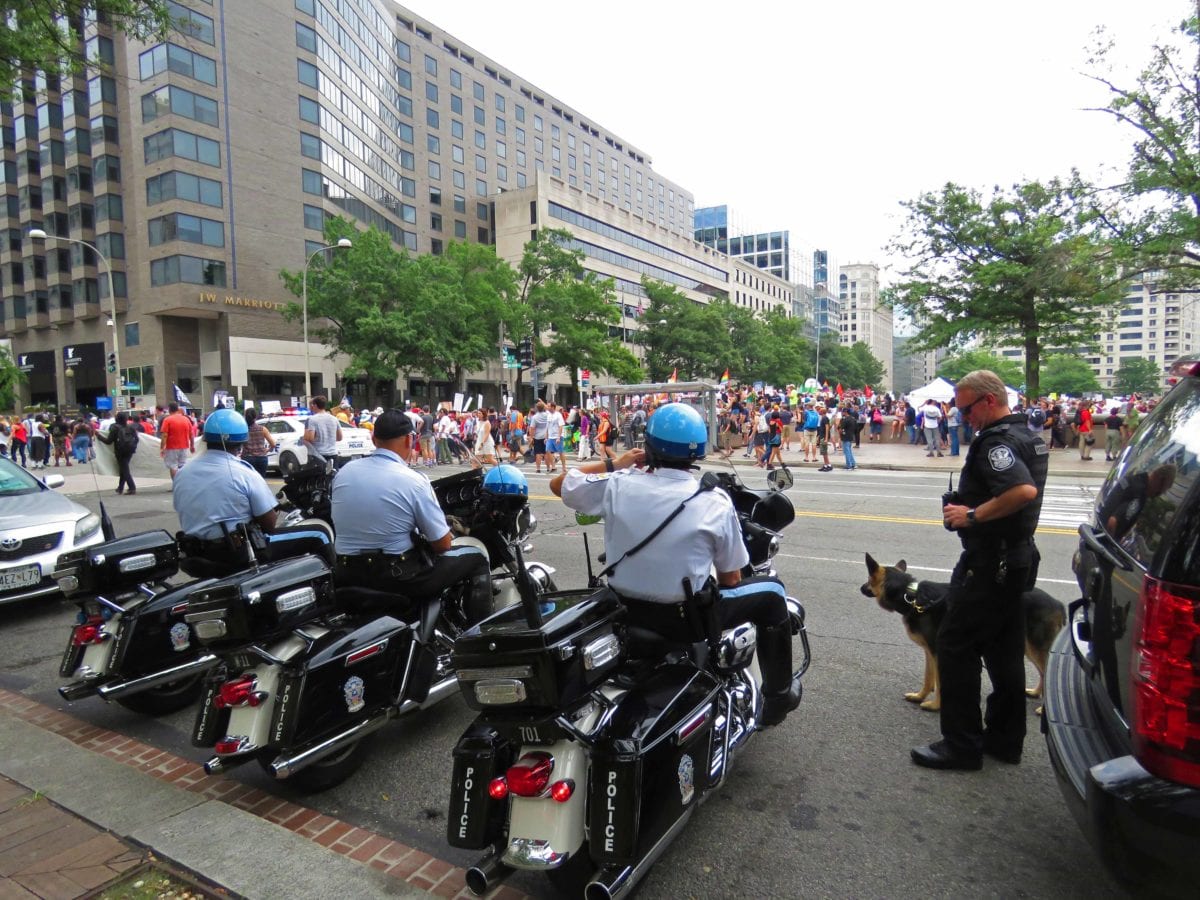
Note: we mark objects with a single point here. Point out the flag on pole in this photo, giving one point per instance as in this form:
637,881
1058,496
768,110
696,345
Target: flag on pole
180,397
839,390
725,378
867,392
674,376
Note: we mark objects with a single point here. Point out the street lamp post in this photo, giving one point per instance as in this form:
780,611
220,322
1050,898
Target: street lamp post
342,243
38,234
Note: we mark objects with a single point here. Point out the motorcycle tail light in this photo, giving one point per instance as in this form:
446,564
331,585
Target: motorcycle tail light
228,745
239,692
562,790
531,775
91,632
498,788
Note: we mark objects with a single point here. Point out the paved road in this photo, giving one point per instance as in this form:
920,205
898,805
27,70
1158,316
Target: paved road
826,805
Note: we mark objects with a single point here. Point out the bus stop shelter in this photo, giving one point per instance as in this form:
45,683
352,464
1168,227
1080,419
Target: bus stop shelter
700,394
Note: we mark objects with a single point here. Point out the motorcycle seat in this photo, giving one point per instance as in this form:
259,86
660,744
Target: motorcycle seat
368,600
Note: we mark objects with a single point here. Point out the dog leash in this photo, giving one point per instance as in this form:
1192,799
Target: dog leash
911,598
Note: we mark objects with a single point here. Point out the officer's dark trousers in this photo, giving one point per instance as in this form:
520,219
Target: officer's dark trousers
458,564
984,620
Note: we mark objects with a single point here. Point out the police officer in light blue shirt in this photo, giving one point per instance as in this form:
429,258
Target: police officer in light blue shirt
378,502
224,492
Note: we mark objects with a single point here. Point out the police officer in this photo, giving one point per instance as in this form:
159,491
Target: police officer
995,512
378,503
219,492
703,535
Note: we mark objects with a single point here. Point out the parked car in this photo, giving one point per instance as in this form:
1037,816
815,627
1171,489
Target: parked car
1122,710
36,525
290,453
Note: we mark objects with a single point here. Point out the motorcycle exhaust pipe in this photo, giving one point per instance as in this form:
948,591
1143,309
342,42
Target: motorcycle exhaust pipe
615,882
127,688
286,766
488,872
438,692
77,690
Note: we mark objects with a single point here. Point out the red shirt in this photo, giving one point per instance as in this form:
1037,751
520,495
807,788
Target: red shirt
176,432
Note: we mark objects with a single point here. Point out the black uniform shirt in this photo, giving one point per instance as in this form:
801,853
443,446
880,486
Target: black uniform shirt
1002,456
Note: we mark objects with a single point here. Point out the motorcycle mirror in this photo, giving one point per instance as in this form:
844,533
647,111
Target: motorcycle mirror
780,479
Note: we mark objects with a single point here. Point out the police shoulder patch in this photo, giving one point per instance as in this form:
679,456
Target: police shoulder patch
1001,458
602,476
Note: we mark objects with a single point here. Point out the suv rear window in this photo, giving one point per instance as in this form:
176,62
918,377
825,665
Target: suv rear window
1144,501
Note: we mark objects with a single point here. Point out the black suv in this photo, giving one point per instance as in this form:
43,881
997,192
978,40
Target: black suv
1122,711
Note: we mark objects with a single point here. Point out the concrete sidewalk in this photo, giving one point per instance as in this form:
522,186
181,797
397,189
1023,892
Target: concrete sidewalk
249,843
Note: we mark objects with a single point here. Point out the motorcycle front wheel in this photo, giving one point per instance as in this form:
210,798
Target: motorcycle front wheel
166,698
325,773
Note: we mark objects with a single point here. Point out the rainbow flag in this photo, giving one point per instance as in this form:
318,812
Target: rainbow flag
724,378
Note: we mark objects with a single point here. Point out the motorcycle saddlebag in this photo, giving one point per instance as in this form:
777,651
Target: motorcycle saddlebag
475,820
351,673
119,565
653,763
503,663
261,604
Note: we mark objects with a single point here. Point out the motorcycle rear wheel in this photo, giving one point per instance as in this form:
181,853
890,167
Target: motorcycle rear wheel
571,879
166,698
325,773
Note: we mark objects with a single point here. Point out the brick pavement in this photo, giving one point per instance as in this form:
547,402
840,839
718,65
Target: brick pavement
414,867
49,853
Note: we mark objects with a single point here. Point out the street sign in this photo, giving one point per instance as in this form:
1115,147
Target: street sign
584,377
509,360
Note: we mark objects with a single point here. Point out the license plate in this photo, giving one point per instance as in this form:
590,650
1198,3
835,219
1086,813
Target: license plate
25,576
356,445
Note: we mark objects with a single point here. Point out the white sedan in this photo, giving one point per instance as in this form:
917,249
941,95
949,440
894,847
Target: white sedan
290,452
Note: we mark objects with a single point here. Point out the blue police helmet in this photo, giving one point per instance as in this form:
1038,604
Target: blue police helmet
676,433
507,481
226,426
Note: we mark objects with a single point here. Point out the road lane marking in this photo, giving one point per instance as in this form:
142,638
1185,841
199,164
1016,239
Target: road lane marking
859,562
900,520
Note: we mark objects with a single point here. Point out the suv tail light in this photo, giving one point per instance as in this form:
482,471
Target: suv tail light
1166,681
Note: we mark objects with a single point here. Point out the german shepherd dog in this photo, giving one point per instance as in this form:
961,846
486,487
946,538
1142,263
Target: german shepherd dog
921,605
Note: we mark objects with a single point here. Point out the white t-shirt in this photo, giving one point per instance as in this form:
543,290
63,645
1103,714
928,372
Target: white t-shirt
554,426
932,413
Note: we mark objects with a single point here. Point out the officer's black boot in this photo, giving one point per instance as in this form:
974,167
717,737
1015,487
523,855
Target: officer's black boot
781,691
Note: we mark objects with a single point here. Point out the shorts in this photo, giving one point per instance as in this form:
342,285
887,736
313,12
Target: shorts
788,432
427,443
876,428
554,445
175,459
808,438
539,446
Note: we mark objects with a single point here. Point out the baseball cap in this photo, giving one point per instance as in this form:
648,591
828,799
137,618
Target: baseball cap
393,424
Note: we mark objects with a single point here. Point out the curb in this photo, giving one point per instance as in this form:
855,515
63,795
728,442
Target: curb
415,868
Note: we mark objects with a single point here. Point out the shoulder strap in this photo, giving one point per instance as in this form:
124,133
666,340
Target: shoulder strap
608,570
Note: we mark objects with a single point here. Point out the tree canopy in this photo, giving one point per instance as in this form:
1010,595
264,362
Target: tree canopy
1137,375
1015,266
956,366
682,336
1066,374
46,35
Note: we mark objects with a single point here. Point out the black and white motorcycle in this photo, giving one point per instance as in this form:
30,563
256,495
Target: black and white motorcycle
308,671
596,741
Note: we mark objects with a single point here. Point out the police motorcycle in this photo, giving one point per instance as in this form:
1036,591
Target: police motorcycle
309,670
130,643
596,741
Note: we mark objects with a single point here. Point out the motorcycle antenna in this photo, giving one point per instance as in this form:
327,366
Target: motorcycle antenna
527,588
106,524
587,554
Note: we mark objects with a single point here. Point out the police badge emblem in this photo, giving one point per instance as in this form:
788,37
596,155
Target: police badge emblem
687,781
181,636
353,692
1001,458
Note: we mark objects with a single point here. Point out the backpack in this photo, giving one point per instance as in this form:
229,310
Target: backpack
1078,419
127,441
877,417
1037,417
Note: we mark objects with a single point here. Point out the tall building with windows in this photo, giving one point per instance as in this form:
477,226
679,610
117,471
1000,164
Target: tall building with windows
202,165
863,318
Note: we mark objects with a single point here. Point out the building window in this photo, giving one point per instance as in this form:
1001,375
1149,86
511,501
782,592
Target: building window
174,142
183,186
310,146
172,57
435,170
133,334
456,79
460,229
110,207
187,270
307,73
306,39
101,89
310,111
170,99
482,235
435,221
435,247
312,182
314,218
192,229
431,118
430,65
481,211
431,92
480,116
190,23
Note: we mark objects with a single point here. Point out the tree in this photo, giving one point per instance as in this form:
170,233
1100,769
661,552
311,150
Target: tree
1138,375
1065,374
568,310
47,35
682,336
955,367
1154,215
1013,267
10,377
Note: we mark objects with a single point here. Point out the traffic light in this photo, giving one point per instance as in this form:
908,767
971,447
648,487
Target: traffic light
112,362
527,353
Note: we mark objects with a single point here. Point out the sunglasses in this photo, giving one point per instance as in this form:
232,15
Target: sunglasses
966,410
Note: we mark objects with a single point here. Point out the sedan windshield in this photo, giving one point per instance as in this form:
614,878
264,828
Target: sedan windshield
15,481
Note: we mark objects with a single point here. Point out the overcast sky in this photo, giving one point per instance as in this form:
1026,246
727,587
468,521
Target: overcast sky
821,118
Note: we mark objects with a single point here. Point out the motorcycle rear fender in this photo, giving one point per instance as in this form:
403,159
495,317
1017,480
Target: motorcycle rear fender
556,827
253,723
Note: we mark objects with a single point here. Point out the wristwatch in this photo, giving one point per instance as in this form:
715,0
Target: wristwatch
970,517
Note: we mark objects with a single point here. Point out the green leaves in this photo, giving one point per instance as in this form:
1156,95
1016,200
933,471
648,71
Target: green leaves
1063,374
956,366
1013,267
1137,376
